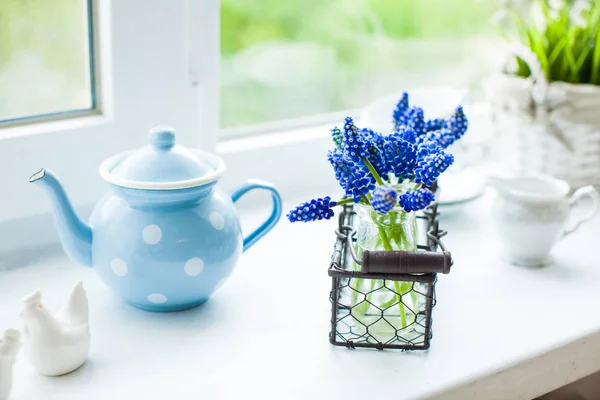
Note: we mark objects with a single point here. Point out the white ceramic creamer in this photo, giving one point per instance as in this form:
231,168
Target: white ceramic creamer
533,213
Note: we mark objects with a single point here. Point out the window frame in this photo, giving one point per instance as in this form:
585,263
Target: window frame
137,44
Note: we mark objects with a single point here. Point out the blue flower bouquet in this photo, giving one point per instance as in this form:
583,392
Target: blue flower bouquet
388,178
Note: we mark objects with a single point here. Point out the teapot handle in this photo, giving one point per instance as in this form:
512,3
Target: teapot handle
266,226
592,194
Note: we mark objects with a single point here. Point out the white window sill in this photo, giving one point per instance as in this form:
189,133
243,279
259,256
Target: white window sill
499,331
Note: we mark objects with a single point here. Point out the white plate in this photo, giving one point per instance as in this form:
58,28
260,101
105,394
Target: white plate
460,187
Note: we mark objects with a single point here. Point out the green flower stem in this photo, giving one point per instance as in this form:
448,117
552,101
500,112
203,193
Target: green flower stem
372,170
388,303
400,305
415,236
344,201
384,237
396,231
415,301
366,198
370,295
387,245
393,216
407,288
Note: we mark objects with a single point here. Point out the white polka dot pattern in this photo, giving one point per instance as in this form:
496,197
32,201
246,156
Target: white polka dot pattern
157,298
119,267
194,266
216,220
152,234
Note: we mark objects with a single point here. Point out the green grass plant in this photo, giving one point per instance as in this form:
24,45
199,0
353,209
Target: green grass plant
564,38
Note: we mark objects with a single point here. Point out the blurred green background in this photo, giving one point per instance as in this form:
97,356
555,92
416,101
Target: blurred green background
284,59
44,62
280,58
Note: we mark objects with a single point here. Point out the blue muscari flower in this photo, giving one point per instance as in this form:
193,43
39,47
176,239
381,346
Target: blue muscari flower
427,146
336,135
416,200
431,166
457,123
405,132
403,120
407,117
376,156
355,181
316,209
434,124
442,138
353,141
400,110
416,120
401,157
368,134
384,199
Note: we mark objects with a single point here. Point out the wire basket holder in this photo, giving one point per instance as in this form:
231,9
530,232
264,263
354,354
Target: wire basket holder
405,278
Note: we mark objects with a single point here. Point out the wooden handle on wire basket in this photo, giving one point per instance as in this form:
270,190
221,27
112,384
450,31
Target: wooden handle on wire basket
406,262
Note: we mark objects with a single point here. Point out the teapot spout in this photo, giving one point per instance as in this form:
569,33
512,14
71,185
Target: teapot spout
75,235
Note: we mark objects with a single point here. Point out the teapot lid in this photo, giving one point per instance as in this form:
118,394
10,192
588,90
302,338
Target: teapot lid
162,165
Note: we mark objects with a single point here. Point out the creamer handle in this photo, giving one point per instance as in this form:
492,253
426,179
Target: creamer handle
592,194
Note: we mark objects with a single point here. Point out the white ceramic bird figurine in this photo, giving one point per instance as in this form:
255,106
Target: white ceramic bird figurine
56,344
9,346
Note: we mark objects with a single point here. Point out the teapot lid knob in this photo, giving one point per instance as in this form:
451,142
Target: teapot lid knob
162,138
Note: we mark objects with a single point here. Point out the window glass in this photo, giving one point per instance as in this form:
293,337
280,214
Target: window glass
45,65
294,58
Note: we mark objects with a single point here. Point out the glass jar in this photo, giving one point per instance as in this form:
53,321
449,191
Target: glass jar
395,230
386,310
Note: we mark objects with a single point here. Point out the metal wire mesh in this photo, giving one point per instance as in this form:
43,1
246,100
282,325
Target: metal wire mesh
385,309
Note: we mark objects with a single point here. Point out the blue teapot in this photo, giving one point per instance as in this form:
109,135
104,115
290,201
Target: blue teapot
164,237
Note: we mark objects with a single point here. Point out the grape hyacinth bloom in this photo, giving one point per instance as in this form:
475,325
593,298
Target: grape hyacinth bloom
442,138
416,200
431,166
405,132
457,123
353,142
314,210
400,110
355,181
417,121
368,134
407,118
384,199
376,169
434,124
401,157
338,138
427,146
376,156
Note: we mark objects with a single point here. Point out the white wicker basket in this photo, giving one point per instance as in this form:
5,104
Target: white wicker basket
555,128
